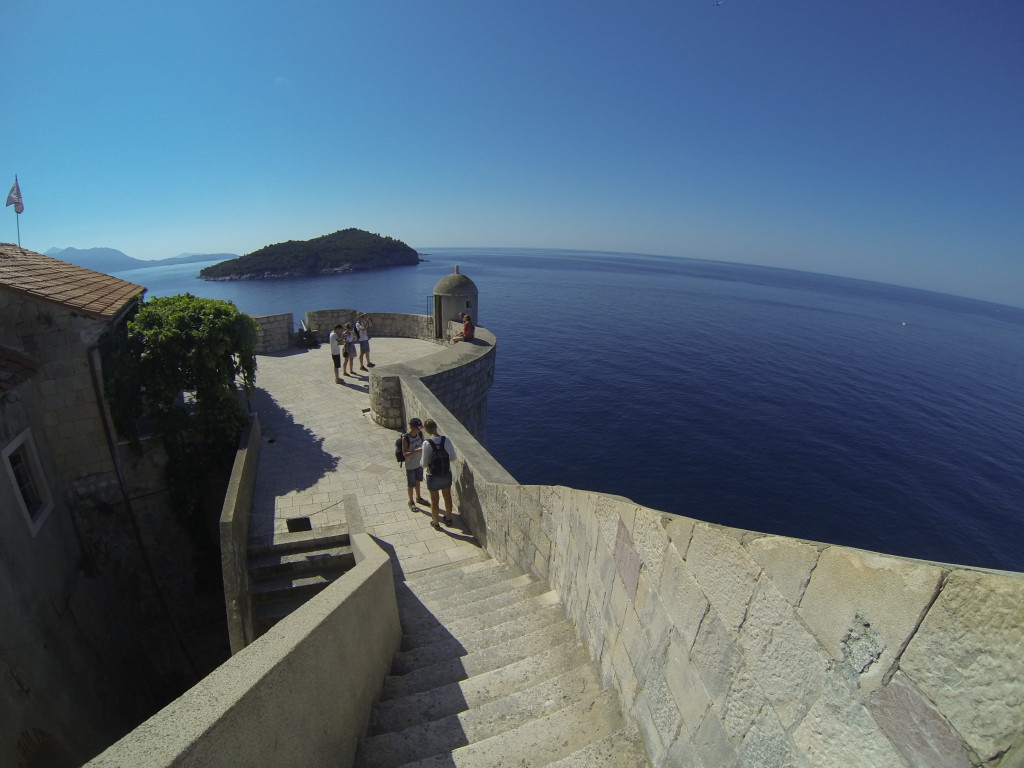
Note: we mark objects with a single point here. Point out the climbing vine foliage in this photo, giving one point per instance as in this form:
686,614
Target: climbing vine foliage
185,362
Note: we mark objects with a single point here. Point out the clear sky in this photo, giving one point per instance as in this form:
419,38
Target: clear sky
880,140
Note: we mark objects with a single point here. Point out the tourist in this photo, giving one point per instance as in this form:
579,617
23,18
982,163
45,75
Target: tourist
412,447
334,339
467,329
363,325
437,482
348,352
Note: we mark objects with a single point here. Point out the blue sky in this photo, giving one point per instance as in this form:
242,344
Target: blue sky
876,140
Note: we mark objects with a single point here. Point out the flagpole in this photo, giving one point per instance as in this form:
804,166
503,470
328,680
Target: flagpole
17,217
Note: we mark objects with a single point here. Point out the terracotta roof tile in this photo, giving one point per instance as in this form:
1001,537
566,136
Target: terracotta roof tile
45,277
14,368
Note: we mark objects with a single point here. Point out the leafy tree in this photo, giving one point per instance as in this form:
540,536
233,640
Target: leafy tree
185,362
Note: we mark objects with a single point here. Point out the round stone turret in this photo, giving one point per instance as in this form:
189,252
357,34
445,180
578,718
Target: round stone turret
453,294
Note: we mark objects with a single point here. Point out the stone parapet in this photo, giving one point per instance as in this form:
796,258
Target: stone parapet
274,333
732,647
299,695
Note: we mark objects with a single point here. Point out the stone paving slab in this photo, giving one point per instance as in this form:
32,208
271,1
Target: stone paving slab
320,445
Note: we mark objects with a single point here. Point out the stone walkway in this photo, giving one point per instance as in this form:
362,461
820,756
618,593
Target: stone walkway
324,459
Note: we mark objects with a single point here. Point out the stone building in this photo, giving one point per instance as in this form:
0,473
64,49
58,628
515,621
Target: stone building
76,664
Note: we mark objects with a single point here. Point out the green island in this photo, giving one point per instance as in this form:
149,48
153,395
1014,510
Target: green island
344,251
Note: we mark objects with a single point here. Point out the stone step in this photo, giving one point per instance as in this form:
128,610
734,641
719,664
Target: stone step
477,662
277,563
617,750
575,686
398,714
540,741
303,541
440,643
478,602
462,591
457,582
457,570
476,633
288,588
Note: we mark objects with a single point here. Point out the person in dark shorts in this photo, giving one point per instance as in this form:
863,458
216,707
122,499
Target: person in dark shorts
335,340
437,484
412,447
363,325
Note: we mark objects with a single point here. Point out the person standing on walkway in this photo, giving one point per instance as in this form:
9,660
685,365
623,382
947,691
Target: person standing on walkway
363,325
335,340
412,448
348,352
438,454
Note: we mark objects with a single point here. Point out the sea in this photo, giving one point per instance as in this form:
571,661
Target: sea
823,408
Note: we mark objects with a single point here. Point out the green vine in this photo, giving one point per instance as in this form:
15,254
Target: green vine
186,363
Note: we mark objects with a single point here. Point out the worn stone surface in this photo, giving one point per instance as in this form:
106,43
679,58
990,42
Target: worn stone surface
686,686
787,562
713,744
916,727
717,658
724,570
682,597
680,531
839,731
785,659
968,658
767,745
742,704
863,607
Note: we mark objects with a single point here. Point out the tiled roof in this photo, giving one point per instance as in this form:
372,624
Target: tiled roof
14,368
92,293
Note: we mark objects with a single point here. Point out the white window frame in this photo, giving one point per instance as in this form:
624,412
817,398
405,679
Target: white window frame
34,518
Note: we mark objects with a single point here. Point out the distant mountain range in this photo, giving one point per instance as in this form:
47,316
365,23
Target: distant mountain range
110,260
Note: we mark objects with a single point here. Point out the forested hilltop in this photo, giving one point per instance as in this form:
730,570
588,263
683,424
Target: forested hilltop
343,251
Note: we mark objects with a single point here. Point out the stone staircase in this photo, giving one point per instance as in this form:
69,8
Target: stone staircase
491,674
285,575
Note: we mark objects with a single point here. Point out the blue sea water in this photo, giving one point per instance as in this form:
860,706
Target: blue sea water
819,407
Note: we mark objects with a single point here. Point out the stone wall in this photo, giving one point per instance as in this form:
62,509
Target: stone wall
58,338
459,375
234,538
731,647
274,334
299,695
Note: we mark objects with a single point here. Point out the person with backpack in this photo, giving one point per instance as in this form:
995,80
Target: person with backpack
438,455
411,446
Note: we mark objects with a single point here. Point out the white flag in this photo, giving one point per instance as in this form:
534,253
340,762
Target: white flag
14,197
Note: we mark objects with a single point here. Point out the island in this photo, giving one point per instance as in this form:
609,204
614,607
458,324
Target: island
344,251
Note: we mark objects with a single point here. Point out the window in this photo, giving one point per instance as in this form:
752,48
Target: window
27,478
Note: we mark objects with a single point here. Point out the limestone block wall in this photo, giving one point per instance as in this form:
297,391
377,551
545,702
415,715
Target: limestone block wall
459,375
730,647
274,334
58,338
384,323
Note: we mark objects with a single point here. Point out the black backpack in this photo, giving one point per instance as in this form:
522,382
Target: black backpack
440,464
400,449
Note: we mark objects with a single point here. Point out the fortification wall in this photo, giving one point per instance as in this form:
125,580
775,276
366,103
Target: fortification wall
274,333
738,648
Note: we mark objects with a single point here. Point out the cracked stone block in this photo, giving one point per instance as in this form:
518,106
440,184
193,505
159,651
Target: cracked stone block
838,730
724,570
863,607
787,562
968,658
786,660
916,727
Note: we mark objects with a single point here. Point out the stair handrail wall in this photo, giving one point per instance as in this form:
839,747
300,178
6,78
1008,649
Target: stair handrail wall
298,696
234,538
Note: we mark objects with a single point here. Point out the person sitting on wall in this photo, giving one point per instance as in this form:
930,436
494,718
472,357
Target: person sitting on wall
467,330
